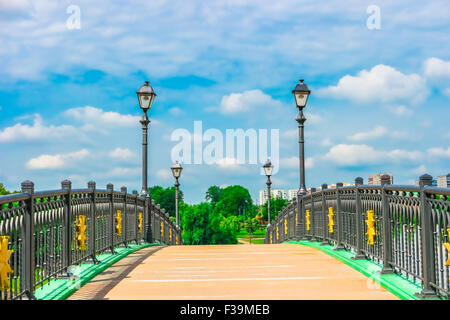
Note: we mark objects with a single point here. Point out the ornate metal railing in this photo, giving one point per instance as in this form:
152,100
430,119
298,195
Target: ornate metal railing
43,234
404,228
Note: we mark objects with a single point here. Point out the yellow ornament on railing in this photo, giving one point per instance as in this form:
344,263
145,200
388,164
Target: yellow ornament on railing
270,238
447,246
170,234
278,233
119,223
140,222
5,268
330,220
81,232
176,239
308,223
162,229
285,226
370,227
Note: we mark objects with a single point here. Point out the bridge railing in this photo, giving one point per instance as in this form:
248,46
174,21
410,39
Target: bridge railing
43,234
404,228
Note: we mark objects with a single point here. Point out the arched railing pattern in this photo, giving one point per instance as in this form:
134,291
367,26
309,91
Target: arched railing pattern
44,233
410,227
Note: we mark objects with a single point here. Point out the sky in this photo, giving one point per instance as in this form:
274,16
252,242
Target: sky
378,72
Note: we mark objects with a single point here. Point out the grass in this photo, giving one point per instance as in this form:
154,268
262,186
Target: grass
258,234
254,241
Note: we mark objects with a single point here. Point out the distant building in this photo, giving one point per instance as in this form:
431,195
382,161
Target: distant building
375,178
274,193
292,193
443,181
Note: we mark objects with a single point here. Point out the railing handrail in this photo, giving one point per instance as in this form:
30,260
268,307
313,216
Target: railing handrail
45,236
410,224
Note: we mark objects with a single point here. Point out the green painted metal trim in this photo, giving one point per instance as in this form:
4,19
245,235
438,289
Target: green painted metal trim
396,284
61,289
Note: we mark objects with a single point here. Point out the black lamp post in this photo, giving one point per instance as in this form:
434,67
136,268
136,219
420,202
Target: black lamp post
176,171
268,170
301,94
146,96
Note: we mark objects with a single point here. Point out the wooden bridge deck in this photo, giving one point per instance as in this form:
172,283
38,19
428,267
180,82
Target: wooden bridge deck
227,272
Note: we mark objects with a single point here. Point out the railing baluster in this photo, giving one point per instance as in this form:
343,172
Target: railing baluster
386,228
358,221
67,252
428,258
324,215
124,215
28,244
340,219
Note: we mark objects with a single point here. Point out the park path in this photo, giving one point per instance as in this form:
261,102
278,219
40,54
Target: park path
226,272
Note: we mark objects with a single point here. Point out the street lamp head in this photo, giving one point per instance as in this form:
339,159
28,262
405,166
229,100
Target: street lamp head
268,168
146,96
176,170
301,94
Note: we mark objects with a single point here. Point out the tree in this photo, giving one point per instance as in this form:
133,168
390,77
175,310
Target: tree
213,195
165,197
276,205
252,225
202,225
3,190
234,200
194,221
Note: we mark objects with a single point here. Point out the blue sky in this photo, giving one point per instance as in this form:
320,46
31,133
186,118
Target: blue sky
68,108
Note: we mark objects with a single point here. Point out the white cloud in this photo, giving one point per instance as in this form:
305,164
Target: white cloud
163,174
447,92
176,111
312,117
121,172
14,6
122,154
247,101
293,162
37,131
439,152
227,163
92,116
231,164
401,110
326,142
361,154
436,68
377,132
419,170
380,84
47,161
290,134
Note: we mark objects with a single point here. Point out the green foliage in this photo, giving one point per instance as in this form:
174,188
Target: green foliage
165,197
276,205
202,225
213,195
214,222
252,225
194,222
234,200
3,190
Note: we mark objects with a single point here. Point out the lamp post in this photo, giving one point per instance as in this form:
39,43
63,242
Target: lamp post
301,94
146,96
176,171
268,170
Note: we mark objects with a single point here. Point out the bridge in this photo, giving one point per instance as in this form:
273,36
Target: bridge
359,242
